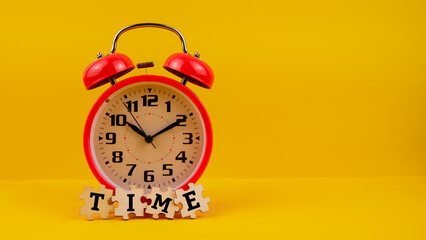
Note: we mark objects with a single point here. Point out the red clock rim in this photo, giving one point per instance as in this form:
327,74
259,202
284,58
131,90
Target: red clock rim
148,78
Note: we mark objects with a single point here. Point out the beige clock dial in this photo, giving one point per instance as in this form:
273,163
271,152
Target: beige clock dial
148,134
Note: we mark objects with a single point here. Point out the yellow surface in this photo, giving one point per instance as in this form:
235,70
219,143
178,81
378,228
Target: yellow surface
315,208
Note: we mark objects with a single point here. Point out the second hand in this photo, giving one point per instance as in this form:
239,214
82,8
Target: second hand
137,122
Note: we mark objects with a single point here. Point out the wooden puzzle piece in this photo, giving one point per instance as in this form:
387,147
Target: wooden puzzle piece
192,200
129,202
96,201
162,202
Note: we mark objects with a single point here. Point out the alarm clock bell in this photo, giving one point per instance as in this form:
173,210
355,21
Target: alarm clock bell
114,65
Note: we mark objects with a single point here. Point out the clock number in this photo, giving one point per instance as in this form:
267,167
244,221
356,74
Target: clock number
169,106
189,138
110,137
119,120
132,106
132,167
117,156
148,177
181,157
181,120
168,169
149,100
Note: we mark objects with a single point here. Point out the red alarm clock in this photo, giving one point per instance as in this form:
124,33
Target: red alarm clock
148,131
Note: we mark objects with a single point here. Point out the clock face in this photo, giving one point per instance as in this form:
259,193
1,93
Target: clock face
147,134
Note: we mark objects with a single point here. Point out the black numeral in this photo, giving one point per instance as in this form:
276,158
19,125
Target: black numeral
189,138
169,106
110,137
117,156
181,119
132,167
170,170
149,100
147,177
181,157
132,106
119,120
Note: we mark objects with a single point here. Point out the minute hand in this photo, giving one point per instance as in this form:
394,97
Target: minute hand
168,128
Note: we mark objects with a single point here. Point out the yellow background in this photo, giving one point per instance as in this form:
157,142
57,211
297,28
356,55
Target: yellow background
303,89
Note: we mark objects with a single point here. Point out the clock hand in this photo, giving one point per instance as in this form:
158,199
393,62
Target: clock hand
142,132
136,129
134,118
148,138
168,128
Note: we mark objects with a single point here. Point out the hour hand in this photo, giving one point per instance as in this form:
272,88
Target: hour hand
136,129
